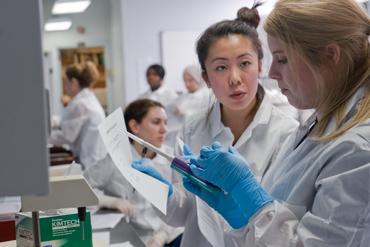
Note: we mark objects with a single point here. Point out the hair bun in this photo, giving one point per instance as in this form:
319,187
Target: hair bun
250,16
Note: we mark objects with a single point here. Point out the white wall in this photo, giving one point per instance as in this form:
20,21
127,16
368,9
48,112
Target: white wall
144,20
130,30
117,56
97,22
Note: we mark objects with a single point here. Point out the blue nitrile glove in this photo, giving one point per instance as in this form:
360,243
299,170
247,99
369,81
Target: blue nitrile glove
228,170
151,171
188,154
223,204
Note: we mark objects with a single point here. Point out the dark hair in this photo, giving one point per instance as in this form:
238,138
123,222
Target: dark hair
138,110
158,69
86,73
245,24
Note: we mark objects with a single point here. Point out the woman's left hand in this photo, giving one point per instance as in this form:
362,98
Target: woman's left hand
228,170
151,171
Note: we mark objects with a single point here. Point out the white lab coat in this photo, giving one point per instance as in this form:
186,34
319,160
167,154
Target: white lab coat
163,95
321,192
105,176
188,103
259,144
79,128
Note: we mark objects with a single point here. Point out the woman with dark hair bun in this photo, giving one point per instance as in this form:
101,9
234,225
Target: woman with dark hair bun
145,119
81,117
230,55
158,92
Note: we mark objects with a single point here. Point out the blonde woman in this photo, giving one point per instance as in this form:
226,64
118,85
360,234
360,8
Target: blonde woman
317,193
81,117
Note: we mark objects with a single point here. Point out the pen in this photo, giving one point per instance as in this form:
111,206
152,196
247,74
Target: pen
143,154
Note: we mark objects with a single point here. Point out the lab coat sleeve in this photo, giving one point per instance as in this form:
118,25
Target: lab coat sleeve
177,207
70,128
340,210
98,174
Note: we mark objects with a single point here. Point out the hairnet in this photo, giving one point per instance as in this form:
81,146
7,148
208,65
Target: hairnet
195,72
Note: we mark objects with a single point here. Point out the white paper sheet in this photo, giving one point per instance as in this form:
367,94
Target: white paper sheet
102,236
181,144
125,244
119,149
102,221
209,224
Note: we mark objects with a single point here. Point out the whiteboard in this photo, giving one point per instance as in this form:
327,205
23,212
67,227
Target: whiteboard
178,52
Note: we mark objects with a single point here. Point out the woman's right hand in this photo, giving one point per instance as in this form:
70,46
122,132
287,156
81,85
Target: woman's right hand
151,171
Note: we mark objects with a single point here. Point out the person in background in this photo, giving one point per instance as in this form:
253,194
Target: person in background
230,54
196,99
80,119
147,120
158,92
317,193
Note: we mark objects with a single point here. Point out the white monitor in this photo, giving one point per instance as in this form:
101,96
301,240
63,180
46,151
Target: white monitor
23,125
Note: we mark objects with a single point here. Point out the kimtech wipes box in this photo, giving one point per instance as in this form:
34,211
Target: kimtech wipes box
55,231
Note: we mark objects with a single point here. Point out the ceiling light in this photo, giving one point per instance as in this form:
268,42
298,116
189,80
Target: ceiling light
58,24
362,1
69,6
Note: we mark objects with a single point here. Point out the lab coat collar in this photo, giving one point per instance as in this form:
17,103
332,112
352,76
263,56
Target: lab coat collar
262,117
161,90
81,94
353,100
302,129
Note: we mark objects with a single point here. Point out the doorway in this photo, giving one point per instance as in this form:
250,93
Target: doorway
81,55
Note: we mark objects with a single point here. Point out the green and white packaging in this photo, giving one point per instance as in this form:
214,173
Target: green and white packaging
55,231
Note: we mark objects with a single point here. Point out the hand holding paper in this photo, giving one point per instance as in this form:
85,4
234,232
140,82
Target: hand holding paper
151,171
118,146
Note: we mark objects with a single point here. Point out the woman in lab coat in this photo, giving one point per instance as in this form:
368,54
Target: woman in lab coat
241,117
196,99
147,120
317,193
81,117
158,91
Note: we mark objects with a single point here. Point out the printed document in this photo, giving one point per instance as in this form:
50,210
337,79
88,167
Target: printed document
119,149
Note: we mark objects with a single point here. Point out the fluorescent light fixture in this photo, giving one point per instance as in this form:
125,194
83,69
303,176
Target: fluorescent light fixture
362,1
70,6
58,24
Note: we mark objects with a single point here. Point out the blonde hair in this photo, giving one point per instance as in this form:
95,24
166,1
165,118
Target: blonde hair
307,27
86,74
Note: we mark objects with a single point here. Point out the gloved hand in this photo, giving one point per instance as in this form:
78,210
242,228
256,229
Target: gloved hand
188,154
228,170
222,203
159,239
151,171
124,206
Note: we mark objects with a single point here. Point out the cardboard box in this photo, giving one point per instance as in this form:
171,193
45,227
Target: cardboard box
55,231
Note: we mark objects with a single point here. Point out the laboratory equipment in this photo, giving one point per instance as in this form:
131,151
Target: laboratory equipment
177,163
66,192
